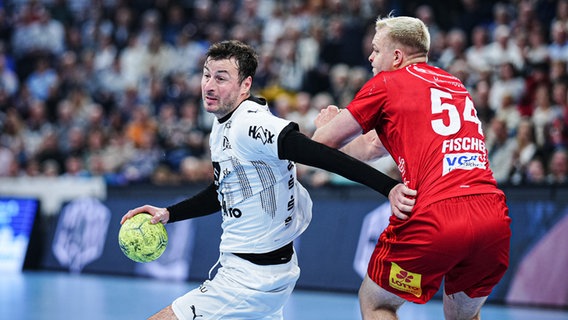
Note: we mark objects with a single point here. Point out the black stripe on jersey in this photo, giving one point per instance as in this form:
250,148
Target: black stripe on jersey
243,179
267,181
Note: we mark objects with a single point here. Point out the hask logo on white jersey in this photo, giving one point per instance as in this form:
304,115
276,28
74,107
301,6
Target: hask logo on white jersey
464,161
259,133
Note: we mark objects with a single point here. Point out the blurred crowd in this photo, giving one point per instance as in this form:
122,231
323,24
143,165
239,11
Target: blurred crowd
111,88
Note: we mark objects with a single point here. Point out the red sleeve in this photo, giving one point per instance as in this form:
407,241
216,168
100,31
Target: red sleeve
367,106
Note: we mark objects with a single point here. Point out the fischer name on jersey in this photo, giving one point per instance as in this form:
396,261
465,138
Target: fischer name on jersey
434,134
263,205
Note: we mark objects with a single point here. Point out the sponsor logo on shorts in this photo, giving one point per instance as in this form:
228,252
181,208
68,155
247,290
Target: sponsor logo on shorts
195,315
406,281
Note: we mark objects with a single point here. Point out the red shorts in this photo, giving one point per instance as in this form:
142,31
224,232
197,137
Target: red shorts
464,240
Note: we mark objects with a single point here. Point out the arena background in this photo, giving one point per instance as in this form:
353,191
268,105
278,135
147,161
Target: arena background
79,235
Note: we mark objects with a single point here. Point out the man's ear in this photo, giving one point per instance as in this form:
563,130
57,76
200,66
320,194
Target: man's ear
246,85
398,58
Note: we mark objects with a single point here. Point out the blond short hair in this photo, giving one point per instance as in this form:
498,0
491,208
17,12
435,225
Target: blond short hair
408,31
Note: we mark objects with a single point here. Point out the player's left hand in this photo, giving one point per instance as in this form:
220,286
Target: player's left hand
402,200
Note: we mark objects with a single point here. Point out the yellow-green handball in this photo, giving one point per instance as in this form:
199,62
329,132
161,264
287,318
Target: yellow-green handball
141,240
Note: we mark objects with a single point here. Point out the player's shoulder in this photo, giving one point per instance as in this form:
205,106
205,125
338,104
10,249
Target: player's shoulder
253,115
433,75
252,110
254,129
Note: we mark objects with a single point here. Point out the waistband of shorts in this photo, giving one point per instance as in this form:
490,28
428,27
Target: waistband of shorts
281,255
470,197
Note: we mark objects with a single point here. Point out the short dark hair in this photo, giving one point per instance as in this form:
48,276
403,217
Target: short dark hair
245,55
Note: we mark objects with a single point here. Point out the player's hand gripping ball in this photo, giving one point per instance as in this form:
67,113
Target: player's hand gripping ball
141,240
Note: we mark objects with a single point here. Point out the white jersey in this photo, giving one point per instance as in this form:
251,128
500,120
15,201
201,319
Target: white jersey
264,207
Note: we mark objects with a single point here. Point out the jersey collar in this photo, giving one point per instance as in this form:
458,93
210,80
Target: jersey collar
252,98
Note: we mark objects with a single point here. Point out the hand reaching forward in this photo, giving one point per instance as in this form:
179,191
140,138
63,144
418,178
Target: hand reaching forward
158,214
326,115
402,200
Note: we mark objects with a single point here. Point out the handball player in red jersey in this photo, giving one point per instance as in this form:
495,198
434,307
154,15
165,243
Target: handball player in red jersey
458,230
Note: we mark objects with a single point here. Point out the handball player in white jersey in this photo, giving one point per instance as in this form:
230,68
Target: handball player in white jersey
264,207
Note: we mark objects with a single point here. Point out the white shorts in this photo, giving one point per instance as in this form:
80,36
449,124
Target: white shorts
240,290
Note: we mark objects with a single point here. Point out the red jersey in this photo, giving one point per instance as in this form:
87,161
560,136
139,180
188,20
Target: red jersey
426,119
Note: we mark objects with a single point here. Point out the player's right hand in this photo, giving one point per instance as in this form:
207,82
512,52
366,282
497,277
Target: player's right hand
158,214
326,115
402,200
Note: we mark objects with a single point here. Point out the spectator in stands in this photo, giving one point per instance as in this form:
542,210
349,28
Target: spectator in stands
309,45
172,136
123,25
75,167
303,114
49,150
117,152
508,83
536,75
425,13
561,12
537,49
37,32
282,105
188,51
110,84
503,49
480,96
500,148
36,127
95,145
558,48
558,70
525,150
536,173
339,80
194,128
157,58
510,113
291,73
174,23
43,80
357,78
9,82
544,113
7,161
145,159
105,51
32,168
526,18
558,167
475,54
556,136
77,142
502,16
456,44
50,168
80,73
560,97
141,122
